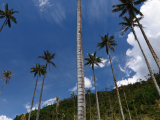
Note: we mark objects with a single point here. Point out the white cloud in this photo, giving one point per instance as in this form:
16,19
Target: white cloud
88,84
43,104
3,117
101,65
52,12
135,59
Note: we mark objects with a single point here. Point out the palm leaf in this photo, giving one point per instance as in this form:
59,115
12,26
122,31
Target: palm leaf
139,2
13,19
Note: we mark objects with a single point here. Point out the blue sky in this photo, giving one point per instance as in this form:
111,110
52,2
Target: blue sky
51,25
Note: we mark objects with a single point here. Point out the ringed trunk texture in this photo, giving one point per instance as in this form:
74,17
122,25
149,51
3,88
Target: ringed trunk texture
96,96
149,68
3,86
37,118
149,45
33,99
81,107
119,100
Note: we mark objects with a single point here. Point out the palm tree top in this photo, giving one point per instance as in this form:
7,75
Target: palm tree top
7,74
93,60
88,91
39,69
73,95
128,23
8,14
107,42
48,56
128,5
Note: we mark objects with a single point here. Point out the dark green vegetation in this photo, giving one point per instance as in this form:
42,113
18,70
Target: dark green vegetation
144,96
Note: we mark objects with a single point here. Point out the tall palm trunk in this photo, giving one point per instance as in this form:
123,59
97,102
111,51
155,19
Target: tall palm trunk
37,118
3,24
96,94
33,98
119,100
3,86
90,105
81,107
127,105
149,45
149,68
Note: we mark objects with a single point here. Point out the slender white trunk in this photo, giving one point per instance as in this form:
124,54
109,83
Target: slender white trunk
37,118
33,98
3,86
119,100
81,107
149,45
149,68
98,111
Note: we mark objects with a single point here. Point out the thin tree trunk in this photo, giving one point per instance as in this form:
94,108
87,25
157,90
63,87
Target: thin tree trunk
33,98
81,107
127,105
2,86
149,68
37,118
149,45
3,24
119,100
98,110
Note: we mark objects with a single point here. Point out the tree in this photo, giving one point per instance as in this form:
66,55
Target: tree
8,14
92,61
110,43
126,102
57,105
130,23
89,92
128,5
7,75
47,56
81,106
38,70
73,95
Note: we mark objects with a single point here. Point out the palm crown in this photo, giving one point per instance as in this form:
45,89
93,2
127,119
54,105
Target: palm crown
7,74
93,60
47,56
8,14
107,42
73,95
38,69
129,22
128,5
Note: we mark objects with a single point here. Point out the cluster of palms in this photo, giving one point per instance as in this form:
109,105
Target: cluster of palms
108,42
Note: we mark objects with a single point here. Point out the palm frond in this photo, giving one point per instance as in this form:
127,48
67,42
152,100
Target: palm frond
13,19
139,2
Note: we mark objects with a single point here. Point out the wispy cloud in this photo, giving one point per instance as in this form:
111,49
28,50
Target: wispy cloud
52,11
3,117
43,104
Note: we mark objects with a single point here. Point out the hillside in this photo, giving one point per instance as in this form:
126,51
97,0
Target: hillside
145,106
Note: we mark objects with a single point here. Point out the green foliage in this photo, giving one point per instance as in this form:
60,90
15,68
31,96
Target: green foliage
146,106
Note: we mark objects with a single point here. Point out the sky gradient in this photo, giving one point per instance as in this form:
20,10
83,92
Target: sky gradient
51,25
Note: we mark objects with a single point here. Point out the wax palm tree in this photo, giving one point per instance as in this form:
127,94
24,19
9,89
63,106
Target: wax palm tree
81,105
128,5
57,105
126,102
47,56
73,95
130,23
110,43
8,14
7,75
38,70
92,61
89,92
